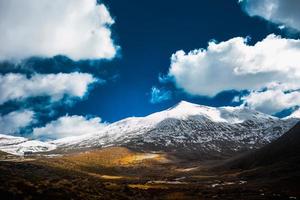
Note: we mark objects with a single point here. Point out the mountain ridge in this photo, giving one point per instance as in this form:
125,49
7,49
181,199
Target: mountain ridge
190,128
285,149
183,127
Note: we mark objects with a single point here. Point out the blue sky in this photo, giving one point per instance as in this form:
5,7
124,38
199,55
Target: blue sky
149,32
133,77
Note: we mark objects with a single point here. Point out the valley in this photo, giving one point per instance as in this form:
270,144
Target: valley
186,152
119,173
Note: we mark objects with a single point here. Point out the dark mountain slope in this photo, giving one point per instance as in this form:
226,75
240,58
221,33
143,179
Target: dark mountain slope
276,166
285,149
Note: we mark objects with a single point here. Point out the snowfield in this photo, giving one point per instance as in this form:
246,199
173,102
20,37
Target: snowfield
20,145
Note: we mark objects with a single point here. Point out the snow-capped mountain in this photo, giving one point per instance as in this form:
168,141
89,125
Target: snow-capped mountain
187,127
20,145
184,128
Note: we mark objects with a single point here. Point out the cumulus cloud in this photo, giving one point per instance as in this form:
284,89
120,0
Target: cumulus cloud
234,64
13,122
159,95
14,86
272,63
75,28
278,11
69,126
272,101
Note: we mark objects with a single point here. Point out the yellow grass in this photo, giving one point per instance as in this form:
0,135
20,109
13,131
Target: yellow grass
106,163
114,156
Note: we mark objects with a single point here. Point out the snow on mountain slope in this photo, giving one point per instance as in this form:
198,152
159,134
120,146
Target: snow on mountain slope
185,127
188,127
20,145
10,140
184,110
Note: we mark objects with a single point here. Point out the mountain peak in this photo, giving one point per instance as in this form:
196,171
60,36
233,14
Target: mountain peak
184,110
186,105
227,114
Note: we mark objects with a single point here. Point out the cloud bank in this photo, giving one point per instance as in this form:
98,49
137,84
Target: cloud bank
14,86
69,126
74,28
277,11
272,63
272,101
13,122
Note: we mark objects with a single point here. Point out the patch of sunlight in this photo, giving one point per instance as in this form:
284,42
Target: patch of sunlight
187,169
110,177
137,158
147,186
167,182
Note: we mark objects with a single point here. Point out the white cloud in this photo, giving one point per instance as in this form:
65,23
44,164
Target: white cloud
79,29
272,101
159,95
278,11
69,126
11,123
234,64
19,87
295,114
273,62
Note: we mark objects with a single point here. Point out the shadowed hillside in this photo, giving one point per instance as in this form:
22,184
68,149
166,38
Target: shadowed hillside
285,149
277,164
